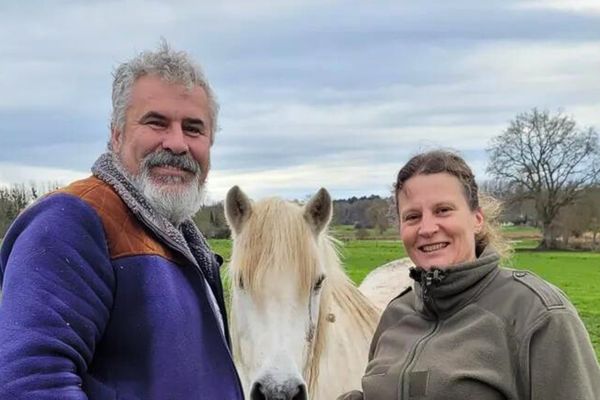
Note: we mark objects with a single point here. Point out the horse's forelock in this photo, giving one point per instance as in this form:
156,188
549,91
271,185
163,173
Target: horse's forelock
276,236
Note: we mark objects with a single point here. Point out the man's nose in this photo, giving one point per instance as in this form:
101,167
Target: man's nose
428,225
175,140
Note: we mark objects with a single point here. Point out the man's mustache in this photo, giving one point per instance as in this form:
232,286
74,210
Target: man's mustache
166,158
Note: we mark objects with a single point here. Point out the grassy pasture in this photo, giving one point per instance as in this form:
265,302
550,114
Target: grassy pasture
576,273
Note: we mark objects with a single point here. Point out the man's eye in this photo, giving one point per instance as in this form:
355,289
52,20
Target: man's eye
155,122
194,130
411,217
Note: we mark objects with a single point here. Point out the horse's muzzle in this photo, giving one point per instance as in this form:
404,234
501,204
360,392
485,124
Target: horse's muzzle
266,388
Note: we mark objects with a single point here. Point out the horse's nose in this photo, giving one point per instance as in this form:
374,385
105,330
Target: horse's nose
268,389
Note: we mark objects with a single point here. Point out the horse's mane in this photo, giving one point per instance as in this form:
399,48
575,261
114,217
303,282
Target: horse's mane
358,317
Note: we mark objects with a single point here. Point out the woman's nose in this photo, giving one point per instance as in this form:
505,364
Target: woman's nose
428,225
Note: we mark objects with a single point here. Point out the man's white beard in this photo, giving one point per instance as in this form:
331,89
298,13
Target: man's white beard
175,202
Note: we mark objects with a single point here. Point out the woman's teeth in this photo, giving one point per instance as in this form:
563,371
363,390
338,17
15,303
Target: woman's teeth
433,247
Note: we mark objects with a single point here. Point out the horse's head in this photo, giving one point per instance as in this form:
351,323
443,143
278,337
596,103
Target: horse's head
277,273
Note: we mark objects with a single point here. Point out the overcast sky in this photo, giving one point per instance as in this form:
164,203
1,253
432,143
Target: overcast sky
313,93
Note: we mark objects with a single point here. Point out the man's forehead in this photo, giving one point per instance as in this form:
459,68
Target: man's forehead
155,94
150,84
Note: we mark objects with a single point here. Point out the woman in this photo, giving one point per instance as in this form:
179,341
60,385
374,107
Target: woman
470,330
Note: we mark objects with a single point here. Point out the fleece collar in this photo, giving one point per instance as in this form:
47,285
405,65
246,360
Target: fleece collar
440,292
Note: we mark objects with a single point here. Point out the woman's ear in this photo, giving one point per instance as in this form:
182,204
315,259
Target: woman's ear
479,220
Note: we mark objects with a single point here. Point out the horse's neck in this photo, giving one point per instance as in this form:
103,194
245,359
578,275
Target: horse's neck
347,322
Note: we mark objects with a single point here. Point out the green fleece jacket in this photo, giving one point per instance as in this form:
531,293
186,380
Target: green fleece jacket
476,331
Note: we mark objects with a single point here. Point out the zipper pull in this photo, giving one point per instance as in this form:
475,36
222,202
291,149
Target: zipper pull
433,277
428,279
438,276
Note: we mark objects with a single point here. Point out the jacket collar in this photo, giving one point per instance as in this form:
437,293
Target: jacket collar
186,240
440,292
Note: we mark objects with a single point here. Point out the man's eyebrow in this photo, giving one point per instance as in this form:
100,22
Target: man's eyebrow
194,121
152,114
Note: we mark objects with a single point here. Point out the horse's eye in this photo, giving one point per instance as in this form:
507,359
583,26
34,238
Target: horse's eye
241,283
319,282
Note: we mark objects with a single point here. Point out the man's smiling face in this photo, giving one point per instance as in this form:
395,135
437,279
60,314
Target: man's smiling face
170,118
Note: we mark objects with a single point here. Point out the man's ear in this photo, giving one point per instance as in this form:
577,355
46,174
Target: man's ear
116,139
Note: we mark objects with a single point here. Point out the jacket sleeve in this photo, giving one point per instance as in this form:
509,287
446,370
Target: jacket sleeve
57,290
353,395
560,360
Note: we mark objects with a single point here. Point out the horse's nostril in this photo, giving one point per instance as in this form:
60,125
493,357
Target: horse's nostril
257,392
300,393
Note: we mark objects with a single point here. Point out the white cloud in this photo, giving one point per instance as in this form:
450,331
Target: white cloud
15,174
586,115
340,178
538,63
576,6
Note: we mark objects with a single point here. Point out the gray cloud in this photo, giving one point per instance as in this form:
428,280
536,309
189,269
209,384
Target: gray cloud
311,90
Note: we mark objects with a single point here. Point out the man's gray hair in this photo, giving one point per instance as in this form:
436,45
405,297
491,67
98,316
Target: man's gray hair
172,66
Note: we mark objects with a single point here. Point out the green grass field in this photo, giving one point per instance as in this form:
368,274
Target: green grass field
576,273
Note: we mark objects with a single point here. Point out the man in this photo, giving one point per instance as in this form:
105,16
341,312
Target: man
109,289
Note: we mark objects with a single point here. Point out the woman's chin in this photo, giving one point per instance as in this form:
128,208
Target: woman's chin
428,261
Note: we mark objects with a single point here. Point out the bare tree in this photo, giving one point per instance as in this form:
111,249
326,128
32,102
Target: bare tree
581,218
516,208
550,158
591,208
377,214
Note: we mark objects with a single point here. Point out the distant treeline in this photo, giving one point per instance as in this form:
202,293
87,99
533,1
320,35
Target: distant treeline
361,212
15,198
578,220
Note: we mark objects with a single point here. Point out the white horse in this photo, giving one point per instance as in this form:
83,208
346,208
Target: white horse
300,328
384,283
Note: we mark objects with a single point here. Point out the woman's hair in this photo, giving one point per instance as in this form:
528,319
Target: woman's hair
440,161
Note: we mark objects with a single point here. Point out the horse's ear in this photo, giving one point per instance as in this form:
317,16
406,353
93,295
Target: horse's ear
237,208
318,210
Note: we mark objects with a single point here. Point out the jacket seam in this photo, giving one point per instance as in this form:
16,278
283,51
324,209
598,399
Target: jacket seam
549,302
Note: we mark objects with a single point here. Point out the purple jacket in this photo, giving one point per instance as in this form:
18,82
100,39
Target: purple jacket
101,300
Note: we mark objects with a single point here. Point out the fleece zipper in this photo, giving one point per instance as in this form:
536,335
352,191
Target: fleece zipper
428,280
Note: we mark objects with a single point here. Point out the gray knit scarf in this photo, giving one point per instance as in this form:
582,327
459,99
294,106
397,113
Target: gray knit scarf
187,239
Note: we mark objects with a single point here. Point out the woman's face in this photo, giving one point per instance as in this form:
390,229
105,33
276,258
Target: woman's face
436,225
